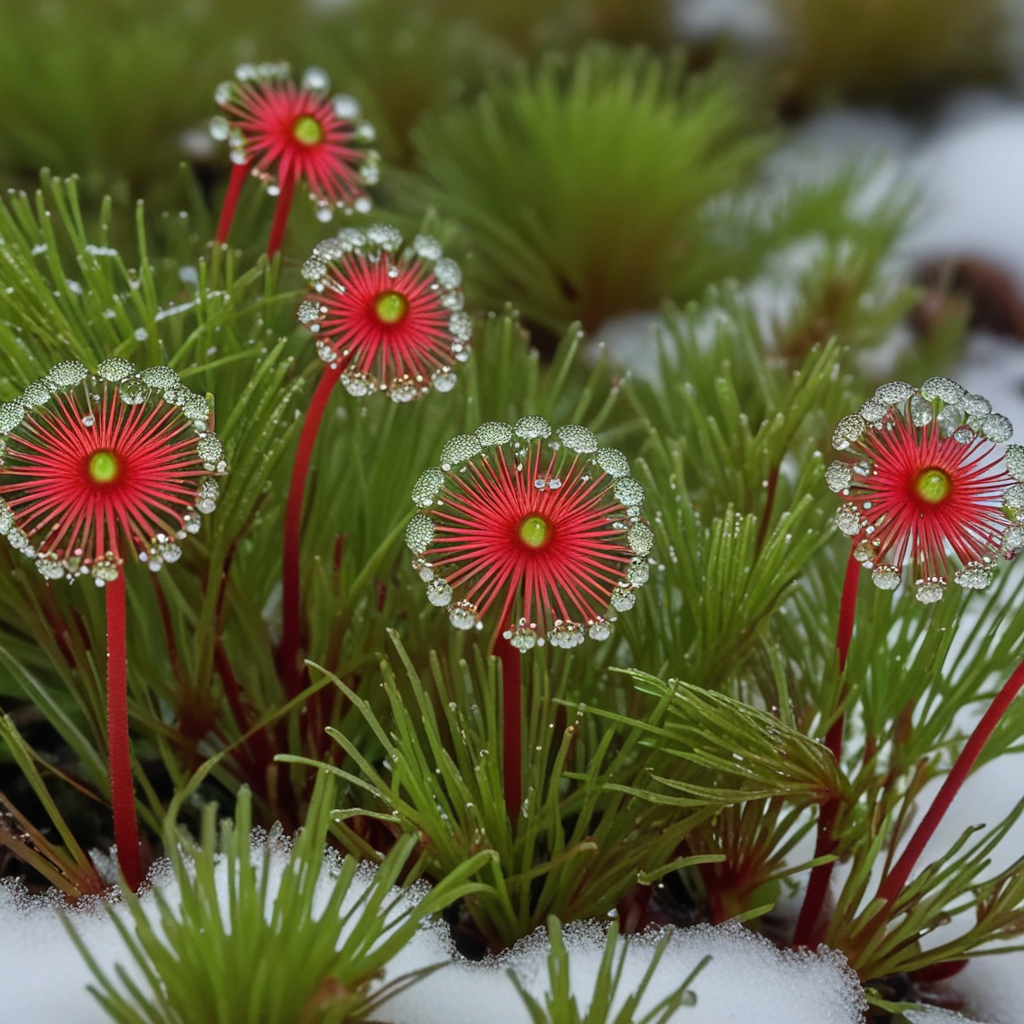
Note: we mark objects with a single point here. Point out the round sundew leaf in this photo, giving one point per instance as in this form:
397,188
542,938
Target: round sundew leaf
944,389
612,461
493,433
115,370
577,439
419,534
894,392
428,486
848,430
838,476
531,427
1015,461
997,428
459,449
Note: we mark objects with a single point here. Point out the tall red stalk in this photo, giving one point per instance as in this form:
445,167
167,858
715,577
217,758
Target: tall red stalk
281,211
897,878
821,875
291,635
511,725
126,829
239,172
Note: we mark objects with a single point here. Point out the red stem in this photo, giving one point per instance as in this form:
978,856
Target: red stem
126,828
239,172
817,884
512,726
281,211
897,878
291,635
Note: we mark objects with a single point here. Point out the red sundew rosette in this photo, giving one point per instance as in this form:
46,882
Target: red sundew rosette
389,316
94,463
540,529
926,479
286,133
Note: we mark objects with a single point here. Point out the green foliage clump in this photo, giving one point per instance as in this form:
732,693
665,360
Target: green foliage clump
890,50
314,950
607,1004
580,185
608,798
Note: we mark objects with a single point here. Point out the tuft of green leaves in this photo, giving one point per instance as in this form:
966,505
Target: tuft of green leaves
233,945
608,1004
580,185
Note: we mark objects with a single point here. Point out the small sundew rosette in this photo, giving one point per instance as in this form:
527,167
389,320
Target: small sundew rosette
390,316
92,463
540,529
288,132
925,478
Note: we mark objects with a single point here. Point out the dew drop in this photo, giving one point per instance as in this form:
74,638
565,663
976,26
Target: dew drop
886,577
427,247
929,590
494,433
628,492
439,593
838,476
894,392
447,273
640,538
115,370
944,389
566,635
419,534
848,430
459,449
974,576
357,384
427,487
949,419
612,461
463,615
443,379
11,415
207,496
848,519
578,439
922,412
996,428
66,374
1015,461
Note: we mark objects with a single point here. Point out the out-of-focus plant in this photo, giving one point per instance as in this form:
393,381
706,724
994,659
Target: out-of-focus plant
895,50
580,186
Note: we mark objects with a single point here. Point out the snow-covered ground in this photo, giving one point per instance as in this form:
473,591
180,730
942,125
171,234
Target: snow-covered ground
43,979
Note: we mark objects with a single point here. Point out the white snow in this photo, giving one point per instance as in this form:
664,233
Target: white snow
748,979
43,978
751,22
934,1015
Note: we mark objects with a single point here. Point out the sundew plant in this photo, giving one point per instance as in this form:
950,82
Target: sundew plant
323,512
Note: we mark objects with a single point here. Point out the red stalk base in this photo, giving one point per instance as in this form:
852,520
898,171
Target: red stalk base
126,828
291,635
897,878
281,211
817,885
239,172
512,726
